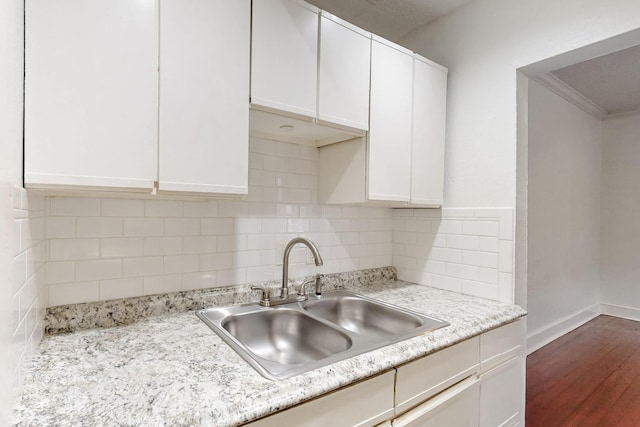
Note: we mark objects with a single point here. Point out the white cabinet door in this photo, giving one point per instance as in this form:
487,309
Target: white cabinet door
502,394
344,69
429,110
366,403
284,56
458,406
389,169
204,93
91,93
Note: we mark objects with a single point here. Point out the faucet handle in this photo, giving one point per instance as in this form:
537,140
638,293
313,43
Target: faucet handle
266,295
302,290
318,282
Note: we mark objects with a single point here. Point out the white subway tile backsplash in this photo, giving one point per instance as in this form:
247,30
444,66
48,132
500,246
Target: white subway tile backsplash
480,259
216,261
161,284
182,226
73,249
99,227
466,251
60,227
462,271
143,226
145,266
232,243
181,263
120,247
480,228
169,245
68,206
122,207
60,272
163,208
506,256
199,280
463,242
98,269
233,209
121,288
199,244
74,293
217,226
231,276
208,209
483,290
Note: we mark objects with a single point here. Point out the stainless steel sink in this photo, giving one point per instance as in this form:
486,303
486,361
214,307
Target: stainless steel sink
362,316
294,338
286,336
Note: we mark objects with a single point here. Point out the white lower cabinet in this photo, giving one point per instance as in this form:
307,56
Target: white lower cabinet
478,382
367,403
458,406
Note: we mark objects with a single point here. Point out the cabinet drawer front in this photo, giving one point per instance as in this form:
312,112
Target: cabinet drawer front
369,403
503,394
455,407
419,380
501,344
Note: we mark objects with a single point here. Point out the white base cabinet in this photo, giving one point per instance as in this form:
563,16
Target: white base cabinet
479,382
364,404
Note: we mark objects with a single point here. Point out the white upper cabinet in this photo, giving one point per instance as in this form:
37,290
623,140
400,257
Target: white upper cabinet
344,69
204,93
390,122
429,112
284,56
91,94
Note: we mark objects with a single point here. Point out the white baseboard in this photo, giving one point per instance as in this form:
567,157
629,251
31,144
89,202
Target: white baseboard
543,336
620,311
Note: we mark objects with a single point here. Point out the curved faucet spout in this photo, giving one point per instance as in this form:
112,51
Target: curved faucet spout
284,292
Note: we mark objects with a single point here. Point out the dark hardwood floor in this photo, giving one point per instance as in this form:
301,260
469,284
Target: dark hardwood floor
589,377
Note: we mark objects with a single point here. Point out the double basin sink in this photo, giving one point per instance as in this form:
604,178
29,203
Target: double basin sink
290,339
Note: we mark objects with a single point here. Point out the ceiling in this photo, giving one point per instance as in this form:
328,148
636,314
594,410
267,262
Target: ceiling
612,82
391,19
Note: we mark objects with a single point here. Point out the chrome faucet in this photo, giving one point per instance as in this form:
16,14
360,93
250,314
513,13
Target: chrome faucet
284,290
268,301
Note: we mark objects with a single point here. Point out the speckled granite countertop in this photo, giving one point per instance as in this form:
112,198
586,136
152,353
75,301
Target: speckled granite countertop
173,370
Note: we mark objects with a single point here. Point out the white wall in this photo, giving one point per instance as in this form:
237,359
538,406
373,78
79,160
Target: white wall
10,139
565,154
21,222
483,44
103,249
620,215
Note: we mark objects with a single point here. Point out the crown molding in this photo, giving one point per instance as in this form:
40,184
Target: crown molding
565,91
